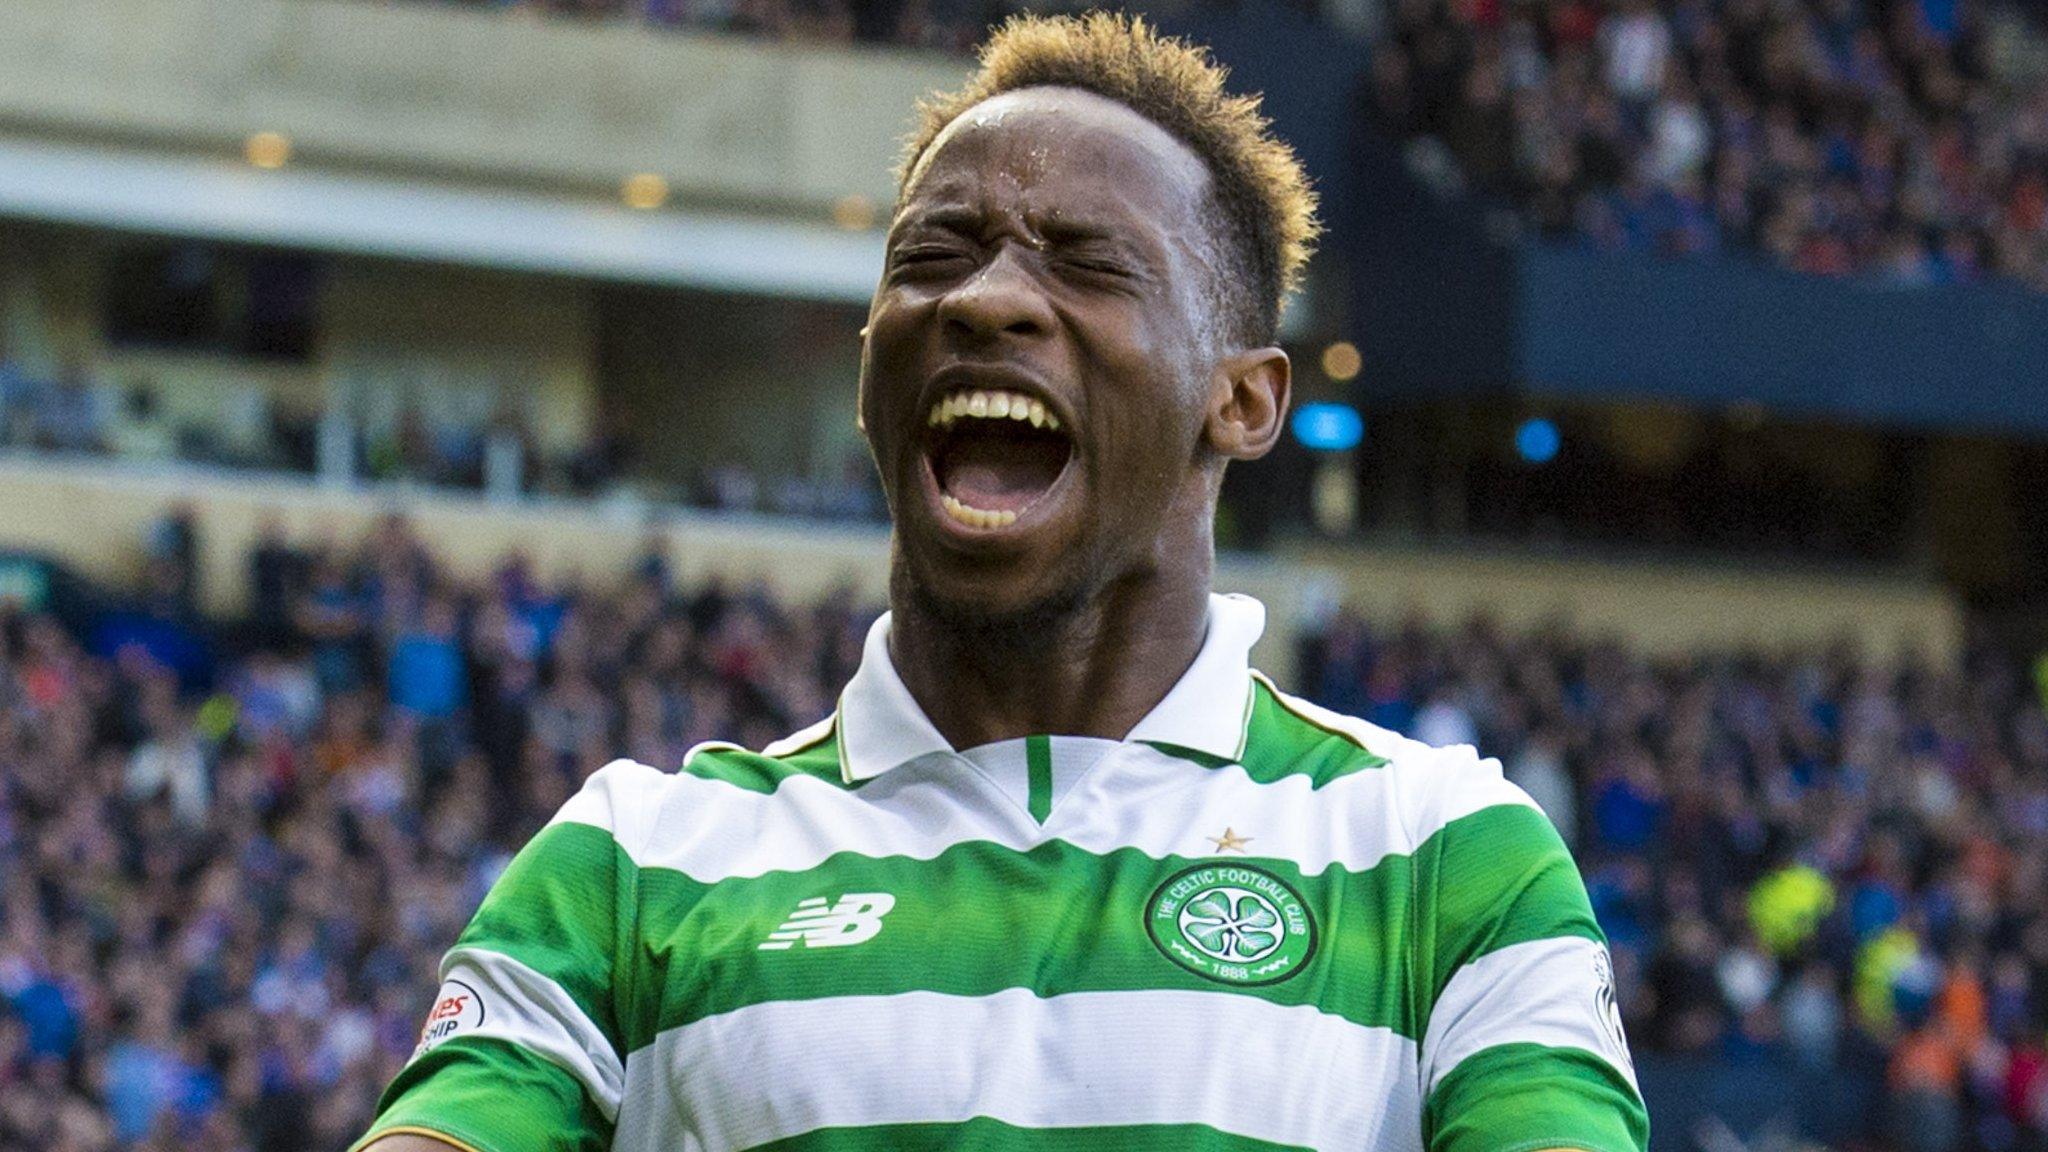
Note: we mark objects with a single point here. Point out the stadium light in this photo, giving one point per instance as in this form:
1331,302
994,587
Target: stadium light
268,150
1341,361
1538,440
1328,427
644,191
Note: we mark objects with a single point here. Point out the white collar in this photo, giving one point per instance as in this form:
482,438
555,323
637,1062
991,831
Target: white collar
881,726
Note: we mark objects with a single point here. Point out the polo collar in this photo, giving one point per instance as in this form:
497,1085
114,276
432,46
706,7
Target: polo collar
881,725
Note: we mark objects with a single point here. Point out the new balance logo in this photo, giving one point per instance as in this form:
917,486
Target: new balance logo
855,919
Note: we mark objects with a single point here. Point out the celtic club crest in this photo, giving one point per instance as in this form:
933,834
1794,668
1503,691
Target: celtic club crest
1232,923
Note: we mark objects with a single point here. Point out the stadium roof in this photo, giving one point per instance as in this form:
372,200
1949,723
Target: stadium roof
182,195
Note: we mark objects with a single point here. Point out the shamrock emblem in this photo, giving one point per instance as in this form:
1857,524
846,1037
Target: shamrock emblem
1232,924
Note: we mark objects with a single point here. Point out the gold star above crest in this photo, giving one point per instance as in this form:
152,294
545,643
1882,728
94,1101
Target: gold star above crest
1230,841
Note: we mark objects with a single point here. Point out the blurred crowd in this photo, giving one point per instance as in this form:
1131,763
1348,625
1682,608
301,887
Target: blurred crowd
231,854
1900,139
229,860
1809,861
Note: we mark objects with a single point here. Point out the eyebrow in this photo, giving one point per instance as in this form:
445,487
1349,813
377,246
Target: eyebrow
949,218
1073,231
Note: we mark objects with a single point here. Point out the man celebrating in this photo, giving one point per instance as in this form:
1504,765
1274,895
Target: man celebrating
1062,871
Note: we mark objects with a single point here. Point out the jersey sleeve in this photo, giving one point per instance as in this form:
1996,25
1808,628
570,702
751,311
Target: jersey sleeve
1523,1047
521,1050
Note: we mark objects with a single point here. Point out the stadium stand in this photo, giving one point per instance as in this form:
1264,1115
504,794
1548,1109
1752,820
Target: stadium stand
1906,141
250,794
233,854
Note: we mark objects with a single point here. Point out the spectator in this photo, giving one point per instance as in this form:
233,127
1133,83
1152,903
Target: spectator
142,433
170,764
71,416
426,664
1635,45
1539,769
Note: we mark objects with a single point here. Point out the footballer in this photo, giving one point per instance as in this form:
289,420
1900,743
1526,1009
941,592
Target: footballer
1062,872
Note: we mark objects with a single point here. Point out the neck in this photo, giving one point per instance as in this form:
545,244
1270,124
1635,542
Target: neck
1095,671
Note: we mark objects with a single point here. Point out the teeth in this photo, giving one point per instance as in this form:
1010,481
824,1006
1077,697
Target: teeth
997,405
976,517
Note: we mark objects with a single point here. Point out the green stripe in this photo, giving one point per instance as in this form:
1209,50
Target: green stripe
1280,742
1497,878
1530,1096
559,909
1038,762
979,918
494,1096
986,1135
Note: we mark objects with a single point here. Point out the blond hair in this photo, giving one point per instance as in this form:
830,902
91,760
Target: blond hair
1265,208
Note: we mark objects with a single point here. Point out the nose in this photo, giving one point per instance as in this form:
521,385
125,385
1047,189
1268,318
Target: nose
1000,298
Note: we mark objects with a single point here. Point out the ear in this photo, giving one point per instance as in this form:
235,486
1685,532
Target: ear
860,388
1248,403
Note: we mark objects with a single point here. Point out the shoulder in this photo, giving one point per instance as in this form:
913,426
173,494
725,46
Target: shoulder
625,789
623,796
1428,787
811,752
620,798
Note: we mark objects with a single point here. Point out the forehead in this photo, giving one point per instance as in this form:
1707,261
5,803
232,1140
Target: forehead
1064,149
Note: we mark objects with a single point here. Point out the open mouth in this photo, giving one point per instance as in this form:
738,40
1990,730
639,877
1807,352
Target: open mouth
994,453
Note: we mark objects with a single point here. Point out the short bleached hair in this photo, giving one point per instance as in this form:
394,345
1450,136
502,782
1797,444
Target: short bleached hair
1263,207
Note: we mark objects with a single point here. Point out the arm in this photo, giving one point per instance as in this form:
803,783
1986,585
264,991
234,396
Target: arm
522,1049
1523,1045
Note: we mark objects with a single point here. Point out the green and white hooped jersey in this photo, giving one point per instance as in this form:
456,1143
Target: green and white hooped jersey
1251,925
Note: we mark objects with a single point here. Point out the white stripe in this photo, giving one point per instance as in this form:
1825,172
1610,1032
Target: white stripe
623,798
1240,1064
526,1008
1137,797
1542,992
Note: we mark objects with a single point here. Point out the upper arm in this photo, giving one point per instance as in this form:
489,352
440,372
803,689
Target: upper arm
1523,1046
523,1049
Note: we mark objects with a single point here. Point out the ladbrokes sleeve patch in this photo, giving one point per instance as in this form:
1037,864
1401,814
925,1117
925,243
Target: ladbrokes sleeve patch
458,1008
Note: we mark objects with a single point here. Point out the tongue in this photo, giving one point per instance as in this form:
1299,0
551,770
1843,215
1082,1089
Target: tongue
1000,472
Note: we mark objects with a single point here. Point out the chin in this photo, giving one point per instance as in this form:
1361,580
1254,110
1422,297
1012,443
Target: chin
999,606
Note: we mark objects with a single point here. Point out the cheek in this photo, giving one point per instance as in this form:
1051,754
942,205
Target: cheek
888,370
1148,406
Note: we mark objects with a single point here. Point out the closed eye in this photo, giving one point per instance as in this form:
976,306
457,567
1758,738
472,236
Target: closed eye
925,255
925,258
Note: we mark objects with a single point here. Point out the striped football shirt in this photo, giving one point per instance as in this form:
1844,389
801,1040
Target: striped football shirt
1252,924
